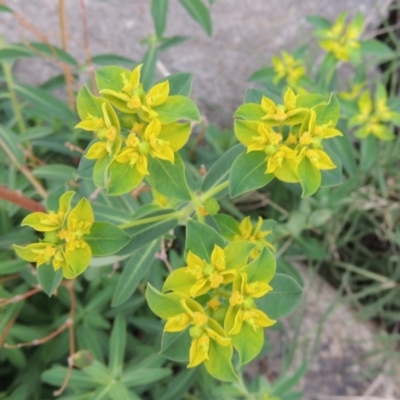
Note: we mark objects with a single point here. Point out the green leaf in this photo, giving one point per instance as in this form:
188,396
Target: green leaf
250,112
117,346
283,299
199,12
332,177
57,172
263,75
4,8
134,271
262,268
143,376
167,42
109,77
180,84
310,177
13,52
105,238
248,342
319,22
149,66
343,145
52,51
159,12
168,179
100,171
228,225
147,232
119,391
248,173
40,98
49,279
85,167
219,171
163,305
176,345
377,49
201,239
78,379
177,108
10,140
328,113
87,103
114,59
180,384
255,96
219,364
369,152
123,179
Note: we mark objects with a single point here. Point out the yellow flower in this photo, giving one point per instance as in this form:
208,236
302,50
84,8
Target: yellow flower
288,68
286,113
242,308
338,40
63,244
132,98
203,330
106,127
254,234
200,276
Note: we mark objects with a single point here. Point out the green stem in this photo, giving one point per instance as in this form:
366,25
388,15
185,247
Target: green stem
143,221
214,191
13,97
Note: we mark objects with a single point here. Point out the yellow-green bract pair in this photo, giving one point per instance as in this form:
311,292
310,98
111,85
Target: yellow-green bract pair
212,303
63,244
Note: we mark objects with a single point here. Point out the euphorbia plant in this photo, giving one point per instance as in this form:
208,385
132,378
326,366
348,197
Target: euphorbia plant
219,302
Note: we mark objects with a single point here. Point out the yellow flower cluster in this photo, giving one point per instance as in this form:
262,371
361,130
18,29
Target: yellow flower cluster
289,68
143,133
342,41
64,244
289,134
218,300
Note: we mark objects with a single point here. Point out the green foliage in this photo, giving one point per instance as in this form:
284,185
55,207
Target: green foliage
141,226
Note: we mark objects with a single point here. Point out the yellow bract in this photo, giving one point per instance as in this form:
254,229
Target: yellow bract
63,244
288,68
132,97
338,40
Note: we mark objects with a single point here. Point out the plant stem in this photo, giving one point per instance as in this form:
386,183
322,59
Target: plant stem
13,97
156,218
214,191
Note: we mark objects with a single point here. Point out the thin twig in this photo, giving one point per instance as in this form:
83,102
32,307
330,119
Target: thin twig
7,329
20,297
64,44
35,183
16,197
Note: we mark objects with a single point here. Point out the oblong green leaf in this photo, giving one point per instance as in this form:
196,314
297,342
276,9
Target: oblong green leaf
201,239
51,51
48,279
168,179
199,12
283,299
133,272
176,108
105,238
57,172
159,12
40,98
180,84
144,376
117,346
310,177
142,234
219,171
11,142
248,173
